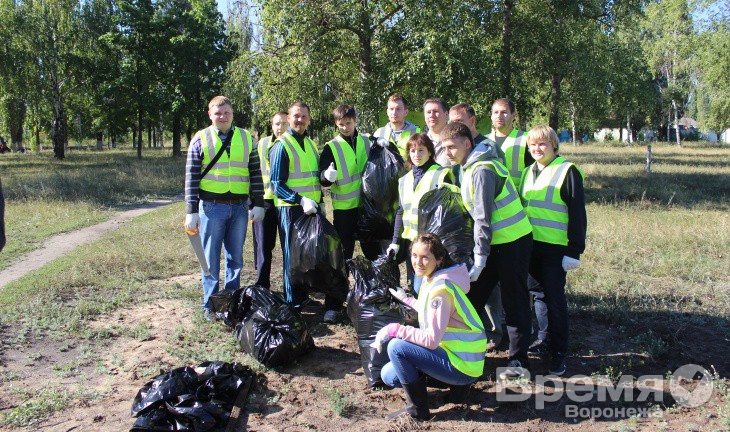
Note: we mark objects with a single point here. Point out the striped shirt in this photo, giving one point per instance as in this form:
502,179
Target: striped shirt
193,169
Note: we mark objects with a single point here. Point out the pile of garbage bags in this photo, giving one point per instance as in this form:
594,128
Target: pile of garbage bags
316,259
266,327
190,399
442,212
371,307
379,197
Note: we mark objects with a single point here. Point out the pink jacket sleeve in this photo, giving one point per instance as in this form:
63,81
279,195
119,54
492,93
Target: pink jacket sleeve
437,319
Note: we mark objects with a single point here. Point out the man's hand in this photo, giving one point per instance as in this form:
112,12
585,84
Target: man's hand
309,206
192,221
331,173
480,261
256,214
570,263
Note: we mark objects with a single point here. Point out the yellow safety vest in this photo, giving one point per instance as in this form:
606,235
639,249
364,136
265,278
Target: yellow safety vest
350,165
464,347
514,148
544,206
303,169
264,146
410,198
230,173
509,221
402,143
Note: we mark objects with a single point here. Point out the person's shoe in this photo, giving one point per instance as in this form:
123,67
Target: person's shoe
514,370
209,315
330,316
557,365
416,401
538,347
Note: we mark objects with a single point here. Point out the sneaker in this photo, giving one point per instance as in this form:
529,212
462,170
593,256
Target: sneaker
557,365
538,347
330,316
209,315
514,370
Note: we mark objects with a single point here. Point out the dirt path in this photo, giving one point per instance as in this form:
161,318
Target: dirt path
59,245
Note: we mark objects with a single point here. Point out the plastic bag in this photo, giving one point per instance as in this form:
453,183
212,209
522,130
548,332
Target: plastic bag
187,399
371,307
441,212
226,305
274,334
316,258
379,198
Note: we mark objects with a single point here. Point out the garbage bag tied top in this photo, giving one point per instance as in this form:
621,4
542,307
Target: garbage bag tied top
379,198
316,258
441,212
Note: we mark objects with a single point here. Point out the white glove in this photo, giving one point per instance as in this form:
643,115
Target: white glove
381,338
331,173
256,214
480,261
192,221
570,263
309,206
399,294
382,142
392,248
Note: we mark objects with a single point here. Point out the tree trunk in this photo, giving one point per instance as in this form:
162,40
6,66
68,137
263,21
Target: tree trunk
176,129
100,140
38,144
676,122
629,141
149,135
59,126
139,132
669,128
507,48
555,94
189,133
572,123
15,110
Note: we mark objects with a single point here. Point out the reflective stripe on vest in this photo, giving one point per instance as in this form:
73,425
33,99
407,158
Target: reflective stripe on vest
509,221
230,173
264,146
350,165
464,347
410,198
514,148
544,206
303,169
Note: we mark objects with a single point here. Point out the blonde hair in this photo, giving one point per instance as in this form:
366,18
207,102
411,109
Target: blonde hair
543,132
219,101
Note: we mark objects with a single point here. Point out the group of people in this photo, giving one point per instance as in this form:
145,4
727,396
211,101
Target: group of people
527,204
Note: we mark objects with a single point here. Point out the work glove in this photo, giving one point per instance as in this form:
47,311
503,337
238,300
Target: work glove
309,206
331,173
399,294
392,250
570,263
480,261
382,142
192,221
384,335
256,214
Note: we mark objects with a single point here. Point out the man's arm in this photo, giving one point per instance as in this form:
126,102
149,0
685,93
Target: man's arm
193,168
573,194
256,182
485,186
280,174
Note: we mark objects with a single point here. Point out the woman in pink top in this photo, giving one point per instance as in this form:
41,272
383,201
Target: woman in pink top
449,344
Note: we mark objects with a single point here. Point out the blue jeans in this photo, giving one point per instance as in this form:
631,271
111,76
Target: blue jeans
408,359
222,225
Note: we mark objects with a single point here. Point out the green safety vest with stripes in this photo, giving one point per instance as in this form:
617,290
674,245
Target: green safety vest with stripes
402,143
230,172
264,146
514,148
544,206
350,165
509,221
410,198
464,347
303,169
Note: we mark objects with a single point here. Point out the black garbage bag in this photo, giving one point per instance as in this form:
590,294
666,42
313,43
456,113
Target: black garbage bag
226,305
274,335
316,258
379,198
441,212
371,307
187,399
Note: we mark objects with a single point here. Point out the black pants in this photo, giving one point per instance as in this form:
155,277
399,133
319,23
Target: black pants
264,241
296,293
508,265
345,222
546,268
